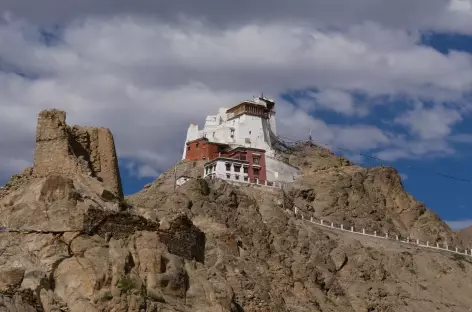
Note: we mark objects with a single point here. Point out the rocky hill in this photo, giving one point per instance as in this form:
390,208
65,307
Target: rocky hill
72,243
465,237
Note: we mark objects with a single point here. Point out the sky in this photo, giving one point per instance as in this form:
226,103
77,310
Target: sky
388,79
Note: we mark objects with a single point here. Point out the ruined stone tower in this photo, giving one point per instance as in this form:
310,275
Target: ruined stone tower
75,150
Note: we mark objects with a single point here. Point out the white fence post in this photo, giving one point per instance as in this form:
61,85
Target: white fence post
457,249
342,226
363,231
437,245
311,219
332,224
427,243
352,229
396,237
375,233
303,217
321,221
386,235
417,241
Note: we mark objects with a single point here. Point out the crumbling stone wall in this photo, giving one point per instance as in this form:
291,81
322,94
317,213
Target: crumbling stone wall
68,151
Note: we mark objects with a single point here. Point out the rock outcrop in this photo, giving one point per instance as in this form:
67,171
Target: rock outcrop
333,189
70,243
75,150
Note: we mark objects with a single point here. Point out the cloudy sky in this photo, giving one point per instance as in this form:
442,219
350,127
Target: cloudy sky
391,79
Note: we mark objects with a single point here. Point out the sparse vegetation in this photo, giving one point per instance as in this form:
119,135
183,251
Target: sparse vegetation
126,284
107,296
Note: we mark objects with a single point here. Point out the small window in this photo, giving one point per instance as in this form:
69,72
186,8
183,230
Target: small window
256,160
256,171
196,145
188,148
249,132
228,176
245,179
228,167
246,169
236,177
237,168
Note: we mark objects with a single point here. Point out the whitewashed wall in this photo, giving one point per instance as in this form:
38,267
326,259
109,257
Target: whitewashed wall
248,131
277,170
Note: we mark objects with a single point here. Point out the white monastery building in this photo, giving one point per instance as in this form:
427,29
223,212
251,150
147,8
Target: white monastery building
243,133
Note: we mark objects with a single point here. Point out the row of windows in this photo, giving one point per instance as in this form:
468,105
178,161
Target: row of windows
237,177
237,168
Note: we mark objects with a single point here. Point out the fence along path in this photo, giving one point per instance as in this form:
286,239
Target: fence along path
396,238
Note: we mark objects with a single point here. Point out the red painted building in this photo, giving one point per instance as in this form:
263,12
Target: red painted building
202,149
255,159
241,163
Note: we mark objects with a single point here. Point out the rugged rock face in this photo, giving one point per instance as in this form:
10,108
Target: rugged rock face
333,189
71,244
75,150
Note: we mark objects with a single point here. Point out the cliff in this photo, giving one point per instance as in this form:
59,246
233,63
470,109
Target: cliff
71,151
215,246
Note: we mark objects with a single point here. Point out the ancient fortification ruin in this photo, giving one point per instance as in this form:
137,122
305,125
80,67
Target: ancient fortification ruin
65,150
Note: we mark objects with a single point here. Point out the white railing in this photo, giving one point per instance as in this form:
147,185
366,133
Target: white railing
385,236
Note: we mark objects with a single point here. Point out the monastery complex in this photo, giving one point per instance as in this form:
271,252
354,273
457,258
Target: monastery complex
238,145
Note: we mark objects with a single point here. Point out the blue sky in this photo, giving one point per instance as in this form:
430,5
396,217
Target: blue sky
387,79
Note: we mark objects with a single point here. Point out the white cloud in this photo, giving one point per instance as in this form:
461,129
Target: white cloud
459,224
404,176
430,123
335,100
147,79
406,14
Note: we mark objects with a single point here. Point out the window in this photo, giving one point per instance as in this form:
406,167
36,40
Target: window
188,148
228,167
228,176
256,160
232,133
255,171
249,132
236,177
237,168
245,179
246,169
196,145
